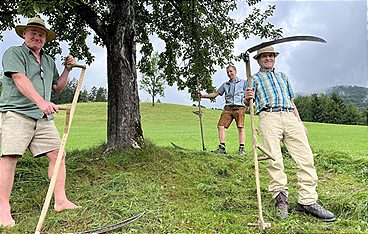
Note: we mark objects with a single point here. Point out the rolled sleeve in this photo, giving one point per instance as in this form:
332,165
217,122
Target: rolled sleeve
221,90
13,62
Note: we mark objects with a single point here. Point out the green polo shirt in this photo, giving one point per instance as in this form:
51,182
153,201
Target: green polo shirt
43,76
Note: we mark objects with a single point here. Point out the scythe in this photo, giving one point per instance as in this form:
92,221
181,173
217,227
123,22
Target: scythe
68,122
199,113
245,56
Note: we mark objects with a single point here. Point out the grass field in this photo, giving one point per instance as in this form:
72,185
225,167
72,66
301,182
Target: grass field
188,191
168,122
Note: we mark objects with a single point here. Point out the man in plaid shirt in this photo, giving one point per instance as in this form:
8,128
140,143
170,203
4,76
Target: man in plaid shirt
279,120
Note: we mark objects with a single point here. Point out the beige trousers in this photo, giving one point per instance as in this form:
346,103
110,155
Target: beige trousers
284,126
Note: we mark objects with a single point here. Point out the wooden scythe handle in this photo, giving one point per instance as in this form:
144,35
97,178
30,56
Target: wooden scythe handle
68,121
79,66
70,67
63,107
261,224
200,118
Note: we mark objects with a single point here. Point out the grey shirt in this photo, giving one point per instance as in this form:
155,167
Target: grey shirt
42,76
234,92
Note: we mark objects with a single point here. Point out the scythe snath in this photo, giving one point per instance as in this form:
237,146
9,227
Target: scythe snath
68,122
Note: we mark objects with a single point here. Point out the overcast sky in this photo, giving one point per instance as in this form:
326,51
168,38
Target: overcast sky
311,66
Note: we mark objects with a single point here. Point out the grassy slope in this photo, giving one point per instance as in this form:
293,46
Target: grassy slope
188,191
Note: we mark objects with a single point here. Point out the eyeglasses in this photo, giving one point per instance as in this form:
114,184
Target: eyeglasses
41,71
43,80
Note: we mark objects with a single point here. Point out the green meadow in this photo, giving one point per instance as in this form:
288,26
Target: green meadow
165,123
188,191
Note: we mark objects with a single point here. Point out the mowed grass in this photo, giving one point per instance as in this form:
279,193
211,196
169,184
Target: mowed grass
188,191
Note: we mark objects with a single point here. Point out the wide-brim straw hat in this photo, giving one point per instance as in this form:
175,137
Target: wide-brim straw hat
36,22
268,49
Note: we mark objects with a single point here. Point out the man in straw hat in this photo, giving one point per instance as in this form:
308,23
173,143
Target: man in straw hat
27,113
279,120
234,90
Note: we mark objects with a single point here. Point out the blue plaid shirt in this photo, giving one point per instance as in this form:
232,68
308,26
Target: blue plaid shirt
234,92
272,89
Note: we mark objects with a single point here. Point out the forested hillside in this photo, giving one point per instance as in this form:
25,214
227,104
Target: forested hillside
338,105
354,94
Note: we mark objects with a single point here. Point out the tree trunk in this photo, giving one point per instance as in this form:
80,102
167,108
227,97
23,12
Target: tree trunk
153,100
124,121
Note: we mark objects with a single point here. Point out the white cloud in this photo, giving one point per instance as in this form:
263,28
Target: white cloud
310,66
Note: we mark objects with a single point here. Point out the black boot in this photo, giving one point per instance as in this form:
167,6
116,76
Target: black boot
282,206
241,150
317,211
220,150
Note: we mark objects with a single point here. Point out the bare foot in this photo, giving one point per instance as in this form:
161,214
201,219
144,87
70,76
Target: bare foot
8,223
6,220
65,205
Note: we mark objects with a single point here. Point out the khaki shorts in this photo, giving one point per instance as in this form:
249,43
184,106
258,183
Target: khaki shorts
230,113
19,132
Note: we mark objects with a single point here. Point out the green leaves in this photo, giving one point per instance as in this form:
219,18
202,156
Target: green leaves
153,80
38,8
199,35
328,109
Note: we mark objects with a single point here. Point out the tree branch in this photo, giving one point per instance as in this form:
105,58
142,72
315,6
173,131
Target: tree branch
7,13
176,7
92,19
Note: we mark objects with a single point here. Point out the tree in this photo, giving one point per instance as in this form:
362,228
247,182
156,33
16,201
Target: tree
92,94
197,34
317,108
339,107
328,109
101,95
303,103
97,94
83,96
153,83
67,95
351,115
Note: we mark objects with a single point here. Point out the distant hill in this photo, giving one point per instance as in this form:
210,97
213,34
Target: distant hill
355,94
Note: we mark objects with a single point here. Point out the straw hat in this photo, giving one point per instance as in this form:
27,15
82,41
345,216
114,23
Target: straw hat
268,49
36,22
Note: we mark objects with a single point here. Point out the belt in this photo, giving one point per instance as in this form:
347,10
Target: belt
277,109
234,107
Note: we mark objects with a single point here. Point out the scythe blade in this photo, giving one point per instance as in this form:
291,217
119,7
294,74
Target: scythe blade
178,147
111,227
285,39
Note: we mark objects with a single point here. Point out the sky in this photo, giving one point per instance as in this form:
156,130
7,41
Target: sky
311,67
